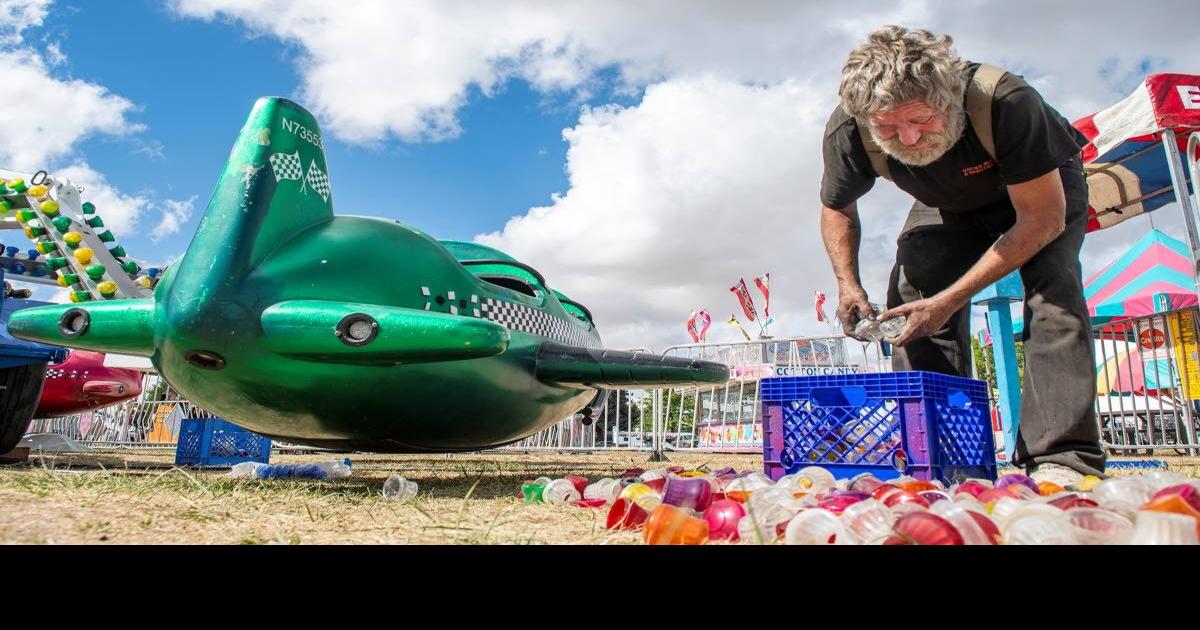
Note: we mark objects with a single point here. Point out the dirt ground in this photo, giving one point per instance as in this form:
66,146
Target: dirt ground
140,497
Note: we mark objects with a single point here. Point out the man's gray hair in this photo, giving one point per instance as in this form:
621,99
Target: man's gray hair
897,65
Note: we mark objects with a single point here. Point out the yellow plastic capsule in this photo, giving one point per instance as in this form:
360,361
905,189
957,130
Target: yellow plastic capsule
73,238
62,281
49,207
144,282
38,191
84,255
1088,483
108,288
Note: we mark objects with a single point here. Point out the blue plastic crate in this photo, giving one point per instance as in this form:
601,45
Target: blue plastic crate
215,443
927,425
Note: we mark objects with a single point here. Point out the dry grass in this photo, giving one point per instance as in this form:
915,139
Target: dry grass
464,499
134,498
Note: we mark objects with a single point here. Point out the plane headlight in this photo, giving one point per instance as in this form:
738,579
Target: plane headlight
74,322
357,329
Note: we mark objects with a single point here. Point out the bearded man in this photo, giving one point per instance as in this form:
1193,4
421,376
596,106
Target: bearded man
998,185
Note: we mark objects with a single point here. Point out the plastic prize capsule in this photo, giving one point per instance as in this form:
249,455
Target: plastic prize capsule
653,474
144,282
1163,528
1095,526
1048,488
1037,524
1160,479
397,488
67,279
656,485
606,488
1123,494
45,247
560,492
38,191
838,503
814,479
55,262
5,205
1189,492
130,267
865,482
869,521
84,255
578,481
898,496
669,525
95,271
94,222
118,251
18,185
723,517
817,527
532,492
1016,478
33,232
49,207
80,296
18,269
1174,504
88,208
25,216
625,514
933,496
106,237
108,288
692,493
1071,501
1002,507
916,485
975,528
1088,483
923,528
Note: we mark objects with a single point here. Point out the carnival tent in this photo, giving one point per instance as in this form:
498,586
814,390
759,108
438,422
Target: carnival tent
1126,166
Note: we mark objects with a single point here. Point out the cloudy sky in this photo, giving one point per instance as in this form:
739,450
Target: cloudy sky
644,156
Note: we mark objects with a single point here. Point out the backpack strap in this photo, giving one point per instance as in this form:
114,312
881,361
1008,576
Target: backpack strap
874,153
981,90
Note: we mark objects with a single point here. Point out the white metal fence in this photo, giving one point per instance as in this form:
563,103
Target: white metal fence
1148,383
149,421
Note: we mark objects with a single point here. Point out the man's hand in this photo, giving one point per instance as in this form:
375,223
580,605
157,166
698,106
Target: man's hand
852,306
925,317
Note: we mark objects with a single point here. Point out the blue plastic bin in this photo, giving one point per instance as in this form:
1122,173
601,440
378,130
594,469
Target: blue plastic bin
215,443
927,425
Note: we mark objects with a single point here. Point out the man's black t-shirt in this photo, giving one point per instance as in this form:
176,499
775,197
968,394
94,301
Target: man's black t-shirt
1030,136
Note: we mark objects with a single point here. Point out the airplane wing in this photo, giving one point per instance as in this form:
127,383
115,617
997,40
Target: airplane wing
613,369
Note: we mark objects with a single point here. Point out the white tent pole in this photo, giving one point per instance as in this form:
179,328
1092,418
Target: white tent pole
1179,181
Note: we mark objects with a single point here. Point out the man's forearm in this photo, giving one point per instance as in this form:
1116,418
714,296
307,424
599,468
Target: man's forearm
841,232
1013,249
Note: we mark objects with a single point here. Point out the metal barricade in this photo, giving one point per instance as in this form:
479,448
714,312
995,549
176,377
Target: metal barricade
727,418
1148,382
149,421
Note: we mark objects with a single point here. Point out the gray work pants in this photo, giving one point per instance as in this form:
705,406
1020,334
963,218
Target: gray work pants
936,248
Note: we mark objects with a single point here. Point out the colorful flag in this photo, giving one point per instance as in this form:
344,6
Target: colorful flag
744,298
705,322
691,327
762,284
733,321
821,316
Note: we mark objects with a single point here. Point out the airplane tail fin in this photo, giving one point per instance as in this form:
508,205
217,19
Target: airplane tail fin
274,186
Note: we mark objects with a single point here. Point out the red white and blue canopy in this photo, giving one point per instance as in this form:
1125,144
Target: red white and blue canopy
1125,162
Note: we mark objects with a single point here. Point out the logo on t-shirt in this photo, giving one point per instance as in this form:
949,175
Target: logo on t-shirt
978,168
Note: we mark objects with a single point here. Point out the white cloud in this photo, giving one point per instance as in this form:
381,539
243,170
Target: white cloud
44,116
119,211
172,217
713,174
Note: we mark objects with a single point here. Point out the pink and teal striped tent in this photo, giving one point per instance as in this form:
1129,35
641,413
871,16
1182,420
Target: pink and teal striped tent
1155,275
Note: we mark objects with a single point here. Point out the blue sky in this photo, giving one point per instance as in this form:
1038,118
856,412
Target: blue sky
692,129
194,82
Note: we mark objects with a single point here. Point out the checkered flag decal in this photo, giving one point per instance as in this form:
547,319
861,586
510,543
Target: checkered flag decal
318,181
286,166
537,322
